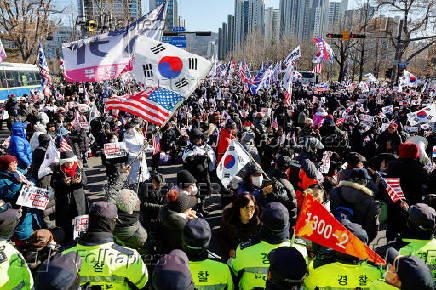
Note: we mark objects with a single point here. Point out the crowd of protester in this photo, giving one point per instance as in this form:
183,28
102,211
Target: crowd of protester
149,233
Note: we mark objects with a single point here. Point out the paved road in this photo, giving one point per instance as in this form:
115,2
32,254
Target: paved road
97,179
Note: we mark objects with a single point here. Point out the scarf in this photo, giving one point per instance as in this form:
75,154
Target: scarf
70,171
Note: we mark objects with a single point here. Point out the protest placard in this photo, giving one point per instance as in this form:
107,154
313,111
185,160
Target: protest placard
115,150
33,197
80,225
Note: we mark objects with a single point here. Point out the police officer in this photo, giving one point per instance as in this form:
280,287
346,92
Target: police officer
287,269
207,271
251,264
348,272
14,273
59,272
404,272
419,235
105,263
172,272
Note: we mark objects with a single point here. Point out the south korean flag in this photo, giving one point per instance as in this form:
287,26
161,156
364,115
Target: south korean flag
163,65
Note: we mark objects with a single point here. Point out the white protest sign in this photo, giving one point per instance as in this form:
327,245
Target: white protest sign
115,150
80,225
83,107
33,197
325,164
84,125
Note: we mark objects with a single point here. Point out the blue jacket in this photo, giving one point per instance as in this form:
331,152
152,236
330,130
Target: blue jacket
19,146
9,186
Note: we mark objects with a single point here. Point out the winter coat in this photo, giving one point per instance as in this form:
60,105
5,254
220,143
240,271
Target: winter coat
172,224
233,232
198,160
19,146
70,198
9,185
133,146
413,178
30,221
223,143
384,138
360,200
37,157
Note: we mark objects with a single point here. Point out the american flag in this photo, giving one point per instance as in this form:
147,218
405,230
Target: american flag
318,68
64,145
393,187
44,72
155,142
288,96
155,105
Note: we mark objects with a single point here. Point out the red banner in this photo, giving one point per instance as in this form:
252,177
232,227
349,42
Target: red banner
316,224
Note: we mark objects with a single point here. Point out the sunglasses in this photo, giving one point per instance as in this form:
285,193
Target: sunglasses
249,207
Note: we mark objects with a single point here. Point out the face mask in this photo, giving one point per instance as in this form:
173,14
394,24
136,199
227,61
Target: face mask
113,141
257,181
194,190
132,131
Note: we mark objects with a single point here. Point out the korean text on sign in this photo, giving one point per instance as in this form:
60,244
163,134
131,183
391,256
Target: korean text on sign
114,150
80,225
33,197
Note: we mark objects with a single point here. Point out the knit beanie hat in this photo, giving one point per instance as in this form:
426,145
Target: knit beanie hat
179,201
409,150
5,160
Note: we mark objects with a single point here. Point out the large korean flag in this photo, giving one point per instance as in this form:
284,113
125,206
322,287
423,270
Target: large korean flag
166,66
232,162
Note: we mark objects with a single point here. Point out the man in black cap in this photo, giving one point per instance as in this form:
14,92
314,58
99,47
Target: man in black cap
186,183
14,272
172,272
404,272
111,261
420,235
250,264
287,269
347,272
206,269
60,272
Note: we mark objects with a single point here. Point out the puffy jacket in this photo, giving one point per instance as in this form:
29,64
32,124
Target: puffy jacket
19,146
359,199
9,186
223,143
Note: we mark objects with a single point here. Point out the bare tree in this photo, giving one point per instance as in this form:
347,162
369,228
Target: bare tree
25,23
415,16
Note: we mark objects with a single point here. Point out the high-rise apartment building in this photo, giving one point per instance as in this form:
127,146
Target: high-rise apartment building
172,19
272,24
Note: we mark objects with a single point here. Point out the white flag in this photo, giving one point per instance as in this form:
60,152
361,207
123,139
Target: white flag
166,66
294,56
51,156
388,109
426,115
94,113
232,162
107,55
2,52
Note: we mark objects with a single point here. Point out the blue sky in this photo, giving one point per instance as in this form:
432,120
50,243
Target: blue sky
210,14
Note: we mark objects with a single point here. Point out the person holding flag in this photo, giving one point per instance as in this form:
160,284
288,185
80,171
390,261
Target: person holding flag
412,177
